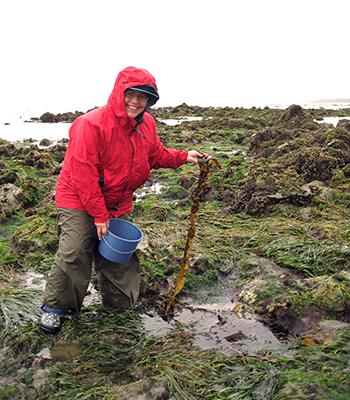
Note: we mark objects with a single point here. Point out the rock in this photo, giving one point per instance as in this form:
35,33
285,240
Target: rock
306,212
344,123
324,331
175,192
145,389
171,250
308,342
49,118
9,194
7,149
331,297
294,116
271,268
65,117
327,194
144,244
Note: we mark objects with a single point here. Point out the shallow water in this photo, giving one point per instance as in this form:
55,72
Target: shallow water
154,188
17,131
216,326
65,352
173,122
331,120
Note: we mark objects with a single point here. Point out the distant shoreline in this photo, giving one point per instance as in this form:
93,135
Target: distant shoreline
338,101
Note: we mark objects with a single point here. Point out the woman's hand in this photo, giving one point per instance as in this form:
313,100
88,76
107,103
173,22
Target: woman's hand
193,156
102,229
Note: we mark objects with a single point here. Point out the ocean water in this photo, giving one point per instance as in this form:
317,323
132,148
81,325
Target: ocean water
36,131
18,127
15,126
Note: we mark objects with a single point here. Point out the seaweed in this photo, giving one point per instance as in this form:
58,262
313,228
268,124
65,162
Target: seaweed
202,182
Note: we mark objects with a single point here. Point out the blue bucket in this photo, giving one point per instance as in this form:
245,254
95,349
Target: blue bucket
121,241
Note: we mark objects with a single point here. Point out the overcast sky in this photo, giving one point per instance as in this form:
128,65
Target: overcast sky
60,55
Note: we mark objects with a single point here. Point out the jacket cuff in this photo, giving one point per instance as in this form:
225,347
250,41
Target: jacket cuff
100,220
183,157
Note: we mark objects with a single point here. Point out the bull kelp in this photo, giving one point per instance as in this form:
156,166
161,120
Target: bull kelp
272,244
202,182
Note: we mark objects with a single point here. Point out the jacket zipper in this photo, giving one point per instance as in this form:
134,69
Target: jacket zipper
132,158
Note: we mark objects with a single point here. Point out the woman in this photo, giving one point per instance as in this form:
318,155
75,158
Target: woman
110,154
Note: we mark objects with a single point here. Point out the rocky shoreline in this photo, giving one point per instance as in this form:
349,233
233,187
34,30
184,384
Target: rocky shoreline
273,232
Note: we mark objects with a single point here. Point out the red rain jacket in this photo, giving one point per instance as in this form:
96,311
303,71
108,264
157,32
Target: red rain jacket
104,143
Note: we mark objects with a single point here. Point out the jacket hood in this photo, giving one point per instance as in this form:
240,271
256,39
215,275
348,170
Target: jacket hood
127,78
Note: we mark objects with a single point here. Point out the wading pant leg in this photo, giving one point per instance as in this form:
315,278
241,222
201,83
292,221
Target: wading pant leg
71,272
119,283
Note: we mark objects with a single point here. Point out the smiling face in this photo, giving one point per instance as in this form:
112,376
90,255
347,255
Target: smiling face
135,102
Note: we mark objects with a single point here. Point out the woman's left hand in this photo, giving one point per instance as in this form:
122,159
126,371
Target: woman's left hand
193,156
102,229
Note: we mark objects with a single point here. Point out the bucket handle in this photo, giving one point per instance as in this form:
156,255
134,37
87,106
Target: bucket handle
116,251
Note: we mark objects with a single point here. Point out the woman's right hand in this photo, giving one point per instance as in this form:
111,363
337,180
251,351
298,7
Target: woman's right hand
102,229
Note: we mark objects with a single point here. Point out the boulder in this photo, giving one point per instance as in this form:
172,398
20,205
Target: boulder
331,297
9,194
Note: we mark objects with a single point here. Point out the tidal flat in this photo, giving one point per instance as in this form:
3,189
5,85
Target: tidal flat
265,309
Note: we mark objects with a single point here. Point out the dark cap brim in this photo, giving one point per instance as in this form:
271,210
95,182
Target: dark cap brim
145,91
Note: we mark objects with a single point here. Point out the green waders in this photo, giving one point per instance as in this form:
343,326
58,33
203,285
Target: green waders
70,274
